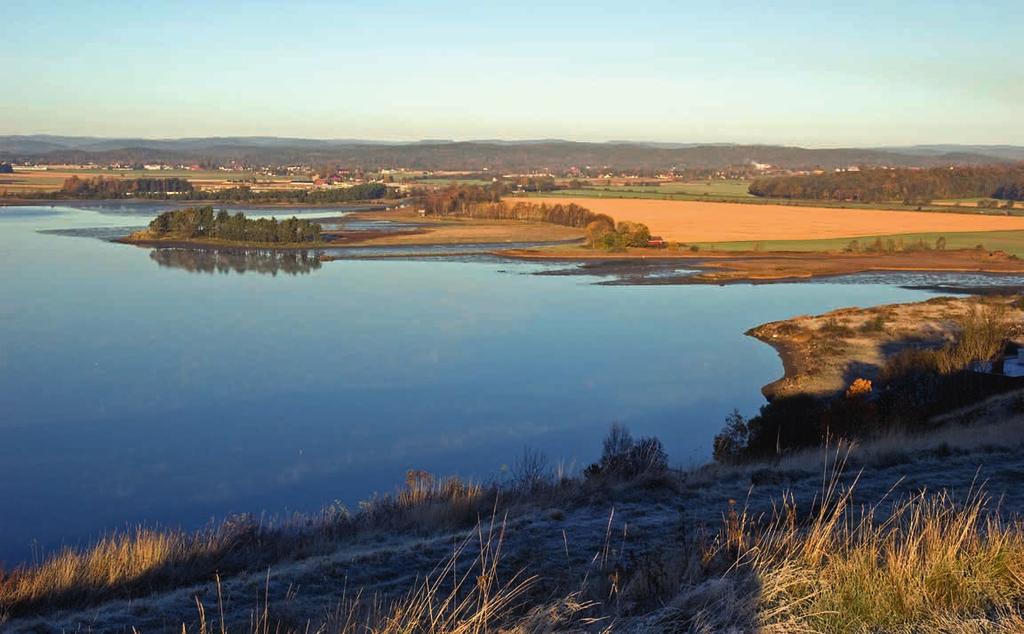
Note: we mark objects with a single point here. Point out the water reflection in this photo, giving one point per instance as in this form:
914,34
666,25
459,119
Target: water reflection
264,262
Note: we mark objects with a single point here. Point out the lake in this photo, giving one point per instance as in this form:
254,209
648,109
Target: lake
174,388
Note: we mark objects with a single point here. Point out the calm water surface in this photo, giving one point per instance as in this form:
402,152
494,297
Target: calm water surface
146,387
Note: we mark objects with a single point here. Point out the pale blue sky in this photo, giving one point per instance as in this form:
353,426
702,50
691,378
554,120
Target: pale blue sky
809,73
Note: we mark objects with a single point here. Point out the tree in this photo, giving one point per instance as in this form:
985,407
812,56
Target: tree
598,229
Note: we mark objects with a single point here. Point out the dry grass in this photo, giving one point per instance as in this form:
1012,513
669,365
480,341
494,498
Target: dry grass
457,597
926,563
137,563
695,221
929,564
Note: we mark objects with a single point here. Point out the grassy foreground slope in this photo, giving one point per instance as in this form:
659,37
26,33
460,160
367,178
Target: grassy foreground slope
895,535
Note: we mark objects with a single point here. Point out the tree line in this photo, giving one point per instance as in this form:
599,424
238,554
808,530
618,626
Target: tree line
910,186
243,193
484,202
474,201
203,222
101,187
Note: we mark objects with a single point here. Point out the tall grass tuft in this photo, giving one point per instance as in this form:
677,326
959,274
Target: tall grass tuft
932,562
136,563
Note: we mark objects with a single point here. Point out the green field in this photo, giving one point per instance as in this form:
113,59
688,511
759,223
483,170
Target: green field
1010,241
731,190
448,181
53,179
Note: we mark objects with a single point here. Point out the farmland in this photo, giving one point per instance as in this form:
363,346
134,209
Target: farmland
700,222
45,180
1011,242
717,189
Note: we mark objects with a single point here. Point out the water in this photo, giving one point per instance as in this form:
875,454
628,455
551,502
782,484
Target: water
140,386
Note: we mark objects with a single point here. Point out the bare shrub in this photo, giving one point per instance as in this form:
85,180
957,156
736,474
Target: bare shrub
626,459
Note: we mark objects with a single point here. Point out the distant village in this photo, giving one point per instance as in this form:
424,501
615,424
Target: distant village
399,180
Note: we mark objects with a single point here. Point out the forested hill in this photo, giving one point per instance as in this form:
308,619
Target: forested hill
503,156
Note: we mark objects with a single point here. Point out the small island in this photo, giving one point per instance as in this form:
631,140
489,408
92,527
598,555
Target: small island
204,226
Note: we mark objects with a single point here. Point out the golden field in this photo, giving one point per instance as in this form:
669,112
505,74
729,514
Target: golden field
696,221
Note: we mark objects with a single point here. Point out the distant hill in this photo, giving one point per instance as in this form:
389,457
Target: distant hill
491,154
1008,152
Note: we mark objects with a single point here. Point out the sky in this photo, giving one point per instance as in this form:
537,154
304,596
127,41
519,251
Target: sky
802,73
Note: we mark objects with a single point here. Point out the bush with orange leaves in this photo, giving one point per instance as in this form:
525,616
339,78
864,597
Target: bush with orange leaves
860,388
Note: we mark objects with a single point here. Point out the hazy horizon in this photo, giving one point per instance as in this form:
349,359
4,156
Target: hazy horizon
864,75
524,140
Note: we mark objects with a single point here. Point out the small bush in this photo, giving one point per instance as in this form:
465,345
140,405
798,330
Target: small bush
626,459
875,324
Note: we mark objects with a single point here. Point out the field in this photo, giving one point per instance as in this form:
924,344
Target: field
441,182
672,190
52,179
704,223
464,231
1011,242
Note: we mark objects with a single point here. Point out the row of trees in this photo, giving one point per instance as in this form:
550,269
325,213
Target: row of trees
243,193
472,201
898,245
569,215
457,200
182,189
907,185
202,222
100,187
